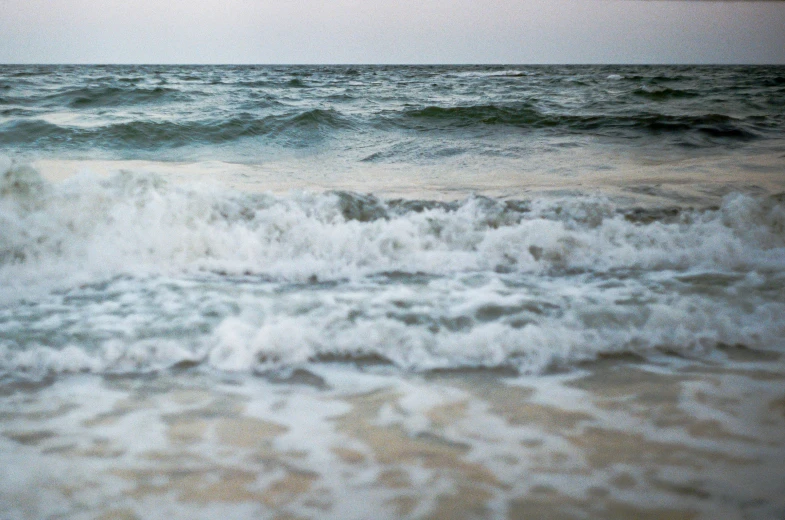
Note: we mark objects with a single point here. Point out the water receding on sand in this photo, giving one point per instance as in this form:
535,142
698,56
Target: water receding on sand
613,439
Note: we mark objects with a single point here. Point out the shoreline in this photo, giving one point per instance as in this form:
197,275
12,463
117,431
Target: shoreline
613,439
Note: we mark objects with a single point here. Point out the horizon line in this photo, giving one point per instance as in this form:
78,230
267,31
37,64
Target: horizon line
401,64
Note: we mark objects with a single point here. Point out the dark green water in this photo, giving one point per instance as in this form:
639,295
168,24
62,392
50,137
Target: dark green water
380,113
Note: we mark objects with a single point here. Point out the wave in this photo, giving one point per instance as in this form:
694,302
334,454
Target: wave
300,127
131,273
296,83
114,96
338,234
519,115
136,110
776,81
104,97
509,73
659,78
527,116
481,330
662,94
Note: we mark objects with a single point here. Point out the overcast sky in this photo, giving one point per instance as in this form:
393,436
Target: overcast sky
385,31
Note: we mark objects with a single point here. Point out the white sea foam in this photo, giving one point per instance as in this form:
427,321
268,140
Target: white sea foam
194,447
138,222
494,73
132,273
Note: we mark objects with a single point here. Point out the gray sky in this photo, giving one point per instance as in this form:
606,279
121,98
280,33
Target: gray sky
401,31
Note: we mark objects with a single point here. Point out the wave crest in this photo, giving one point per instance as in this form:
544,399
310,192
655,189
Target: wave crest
134,219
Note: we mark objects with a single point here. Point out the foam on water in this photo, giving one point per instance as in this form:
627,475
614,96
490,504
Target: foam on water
597,332
397,445
135,221
132,273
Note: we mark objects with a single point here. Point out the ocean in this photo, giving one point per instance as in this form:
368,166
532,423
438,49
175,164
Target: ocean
360,292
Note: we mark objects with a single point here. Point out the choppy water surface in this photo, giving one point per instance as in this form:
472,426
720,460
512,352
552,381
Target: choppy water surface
379,113
449,291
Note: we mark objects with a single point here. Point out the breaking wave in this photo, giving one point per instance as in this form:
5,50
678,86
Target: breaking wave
133,273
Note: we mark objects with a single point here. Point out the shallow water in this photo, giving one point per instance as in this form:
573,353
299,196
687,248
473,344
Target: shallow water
614,439
393,292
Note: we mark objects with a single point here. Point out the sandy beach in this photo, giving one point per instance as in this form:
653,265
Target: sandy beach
614,439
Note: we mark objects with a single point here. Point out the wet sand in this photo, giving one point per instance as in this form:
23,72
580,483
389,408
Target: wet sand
617,438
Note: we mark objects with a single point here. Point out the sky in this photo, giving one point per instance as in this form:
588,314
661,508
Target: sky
385,31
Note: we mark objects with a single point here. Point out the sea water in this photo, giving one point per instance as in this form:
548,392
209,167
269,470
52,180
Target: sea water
392,292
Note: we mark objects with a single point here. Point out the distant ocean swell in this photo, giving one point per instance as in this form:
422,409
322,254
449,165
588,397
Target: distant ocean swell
126,111
171,134
132,273
311,126
525,116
